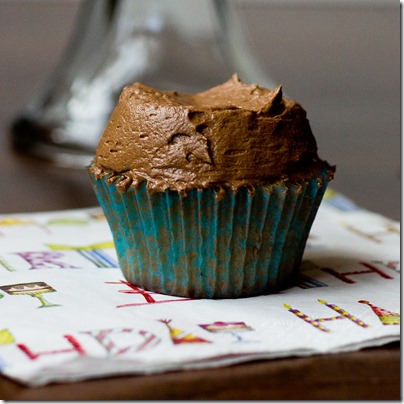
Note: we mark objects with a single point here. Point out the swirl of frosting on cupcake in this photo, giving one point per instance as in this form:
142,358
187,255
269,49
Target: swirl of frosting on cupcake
229,136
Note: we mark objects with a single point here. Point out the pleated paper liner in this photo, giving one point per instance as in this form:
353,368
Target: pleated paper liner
200,247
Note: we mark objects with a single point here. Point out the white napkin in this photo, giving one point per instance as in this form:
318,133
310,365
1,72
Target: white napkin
68,314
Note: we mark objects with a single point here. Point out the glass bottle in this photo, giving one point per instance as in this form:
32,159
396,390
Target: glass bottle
183,45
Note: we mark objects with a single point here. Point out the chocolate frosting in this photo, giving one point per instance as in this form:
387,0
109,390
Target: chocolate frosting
231,135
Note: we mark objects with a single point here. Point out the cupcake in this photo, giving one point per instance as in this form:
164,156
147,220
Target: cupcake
209,195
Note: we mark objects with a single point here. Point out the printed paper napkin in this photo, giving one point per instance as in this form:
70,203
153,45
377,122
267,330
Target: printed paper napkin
68,314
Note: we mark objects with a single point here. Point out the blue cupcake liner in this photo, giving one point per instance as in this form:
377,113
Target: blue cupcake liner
245,244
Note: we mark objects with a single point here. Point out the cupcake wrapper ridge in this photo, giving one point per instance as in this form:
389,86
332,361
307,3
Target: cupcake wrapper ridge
245,244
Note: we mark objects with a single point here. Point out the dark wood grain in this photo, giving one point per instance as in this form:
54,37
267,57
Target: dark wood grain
371,374
32,38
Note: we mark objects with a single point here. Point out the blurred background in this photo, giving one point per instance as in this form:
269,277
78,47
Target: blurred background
339,59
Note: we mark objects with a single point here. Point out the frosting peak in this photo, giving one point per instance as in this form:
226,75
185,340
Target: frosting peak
231,135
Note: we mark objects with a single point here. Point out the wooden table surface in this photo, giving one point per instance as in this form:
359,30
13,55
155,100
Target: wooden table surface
32,39
371,374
